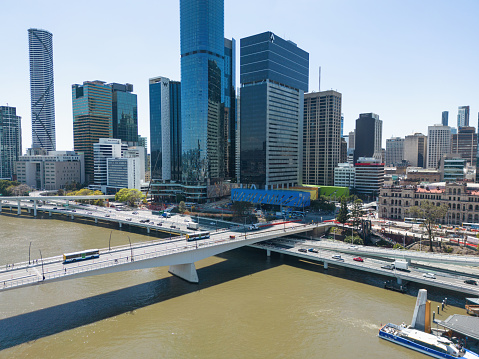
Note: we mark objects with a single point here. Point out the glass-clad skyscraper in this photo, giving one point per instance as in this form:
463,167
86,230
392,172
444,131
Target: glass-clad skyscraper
10,140
165,129
274,76
229,91
40,47
92,119
202,108
125,113
462,116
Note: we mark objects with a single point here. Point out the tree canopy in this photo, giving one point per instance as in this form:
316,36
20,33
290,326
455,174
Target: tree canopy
356,212
431,214
131,196
343,214
88,192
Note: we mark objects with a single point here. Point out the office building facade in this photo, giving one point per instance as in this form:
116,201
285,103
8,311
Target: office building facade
445,118
202,108
438,144
92,119
321,137
368,136
124,113
40,46
229,94
274,77
464,144
102,150
369,177
123,173
394,151
351,139
462,116
165,129
415,149
10,140
345,175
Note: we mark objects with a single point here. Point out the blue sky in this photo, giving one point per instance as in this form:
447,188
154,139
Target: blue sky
405,60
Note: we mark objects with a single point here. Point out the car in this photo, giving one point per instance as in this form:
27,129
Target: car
313,250
388,266
107,215
160,224
172,226
89,213
302,250
358,259
74,210
142,220
470,281
128,219
212,223
337,257
353,247
147,220
429,275
55,208
135,212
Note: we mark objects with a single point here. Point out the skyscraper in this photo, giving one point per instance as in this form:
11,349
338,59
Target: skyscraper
415,148
321,137
125,113
202,71
445,118
394,151
368,136
438,144
92,119
165,129
40,47
10,140
274,76
462,116
464,144
229,84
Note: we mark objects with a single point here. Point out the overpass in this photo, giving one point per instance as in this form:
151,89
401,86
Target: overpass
178,253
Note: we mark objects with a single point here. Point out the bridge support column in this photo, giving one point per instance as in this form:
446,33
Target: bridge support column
29,210
119,223
185,271
49,213
268,253
35,207
399,281
0,208
96,220
72,216
19,209
325,265
148,230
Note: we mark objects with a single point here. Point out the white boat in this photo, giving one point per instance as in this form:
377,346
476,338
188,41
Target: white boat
429,344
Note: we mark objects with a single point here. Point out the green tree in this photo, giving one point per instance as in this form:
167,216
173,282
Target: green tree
356,212
343,214
431,214
19,190
130,196
5,184
182,207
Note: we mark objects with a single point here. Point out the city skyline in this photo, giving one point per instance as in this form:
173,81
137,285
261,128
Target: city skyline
365,51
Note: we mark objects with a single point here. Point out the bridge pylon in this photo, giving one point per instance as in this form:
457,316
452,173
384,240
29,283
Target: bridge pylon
185,271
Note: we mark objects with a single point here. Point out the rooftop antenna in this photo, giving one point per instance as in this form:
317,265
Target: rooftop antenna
319,90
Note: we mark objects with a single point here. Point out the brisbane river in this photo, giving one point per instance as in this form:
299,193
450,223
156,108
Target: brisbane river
245,306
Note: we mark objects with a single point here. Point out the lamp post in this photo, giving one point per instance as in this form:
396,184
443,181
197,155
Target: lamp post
29,247
41,258
131,249
109,242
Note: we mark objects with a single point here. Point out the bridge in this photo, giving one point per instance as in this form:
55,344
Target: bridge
177,253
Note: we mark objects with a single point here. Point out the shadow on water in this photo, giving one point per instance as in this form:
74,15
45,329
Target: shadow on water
35,325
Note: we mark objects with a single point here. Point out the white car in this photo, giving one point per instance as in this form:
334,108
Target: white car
429,275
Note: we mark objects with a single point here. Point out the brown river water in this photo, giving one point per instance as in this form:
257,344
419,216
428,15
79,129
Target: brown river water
245,306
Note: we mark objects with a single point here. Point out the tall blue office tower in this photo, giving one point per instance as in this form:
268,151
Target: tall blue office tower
229,91
124,113
40,47
202,108
274,76
165,129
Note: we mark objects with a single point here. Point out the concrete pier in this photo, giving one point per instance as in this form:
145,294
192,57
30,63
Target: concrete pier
185,271
268,253
325,265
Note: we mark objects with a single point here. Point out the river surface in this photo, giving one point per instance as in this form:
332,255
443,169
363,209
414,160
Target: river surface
245,306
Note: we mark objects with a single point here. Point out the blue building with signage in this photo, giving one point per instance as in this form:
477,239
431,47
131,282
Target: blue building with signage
273,197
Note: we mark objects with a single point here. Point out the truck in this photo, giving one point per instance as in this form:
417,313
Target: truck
166,214
254,226
194,226
401,265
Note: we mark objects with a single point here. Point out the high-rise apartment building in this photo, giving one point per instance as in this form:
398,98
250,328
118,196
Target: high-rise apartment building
394,151
40,47
464,144
462,116
438,144
92,119
202,108
369,130
165,129
10,140
229,92
124,113
445,118
274,77
415,148
321,137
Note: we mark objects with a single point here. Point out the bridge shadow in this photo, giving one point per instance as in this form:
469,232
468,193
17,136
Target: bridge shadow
41,323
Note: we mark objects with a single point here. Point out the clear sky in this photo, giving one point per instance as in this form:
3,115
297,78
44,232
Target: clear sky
406,60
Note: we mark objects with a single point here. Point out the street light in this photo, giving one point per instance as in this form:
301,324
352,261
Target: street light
109,242
131,249
41,258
